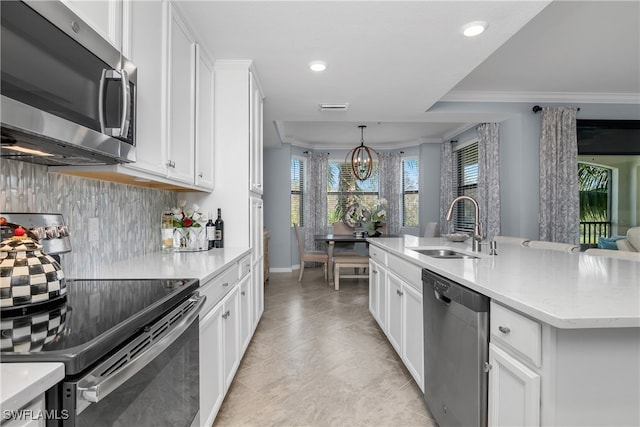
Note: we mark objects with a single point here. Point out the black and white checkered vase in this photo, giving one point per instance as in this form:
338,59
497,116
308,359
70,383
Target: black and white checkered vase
27,275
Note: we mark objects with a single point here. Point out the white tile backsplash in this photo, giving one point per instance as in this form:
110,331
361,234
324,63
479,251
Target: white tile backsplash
128,217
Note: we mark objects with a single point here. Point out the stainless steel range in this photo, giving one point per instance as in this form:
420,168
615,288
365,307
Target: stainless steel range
130,350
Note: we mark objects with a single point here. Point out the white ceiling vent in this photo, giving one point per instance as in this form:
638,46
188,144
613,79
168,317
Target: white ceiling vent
334,107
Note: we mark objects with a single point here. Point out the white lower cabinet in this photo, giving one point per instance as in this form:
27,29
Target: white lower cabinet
257,278
378,292
227,324
395,301
211,365
231,331
404,325
514,391
246,312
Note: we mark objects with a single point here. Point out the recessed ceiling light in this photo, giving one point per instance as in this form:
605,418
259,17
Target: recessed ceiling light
474,28
318,65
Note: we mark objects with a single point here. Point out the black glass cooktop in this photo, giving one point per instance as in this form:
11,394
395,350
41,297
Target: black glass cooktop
95,317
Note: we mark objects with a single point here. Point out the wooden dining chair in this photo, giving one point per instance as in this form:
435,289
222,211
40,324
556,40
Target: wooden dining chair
310,256
340,228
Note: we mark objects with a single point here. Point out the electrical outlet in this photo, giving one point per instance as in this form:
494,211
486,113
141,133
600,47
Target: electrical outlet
94,230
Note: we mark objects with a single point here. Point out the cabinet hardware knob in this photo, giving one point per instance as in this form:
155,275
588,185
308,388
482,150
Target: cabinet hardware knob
487,366
504,329
375,271
201,174
399,293
225,284
243,293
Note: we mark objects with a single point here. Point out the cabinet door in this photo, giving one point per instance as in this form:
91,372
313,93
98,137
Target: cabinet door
231,327
256,135
148,31
394,312
412,337
374,289
246,313
180,100
204,121
104,16
256,220
211,365
257,278
514,391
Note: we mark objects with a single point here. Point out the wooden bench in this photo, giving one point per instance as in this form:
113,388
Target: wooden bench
349,261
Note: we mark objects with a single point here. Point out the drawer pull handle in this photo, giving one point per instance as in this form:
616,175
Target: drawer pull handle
504,329
225,284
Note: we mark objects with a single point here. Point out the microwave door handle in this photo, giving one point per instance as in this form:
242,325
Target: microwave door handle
93,387
101,119
121,75
126,104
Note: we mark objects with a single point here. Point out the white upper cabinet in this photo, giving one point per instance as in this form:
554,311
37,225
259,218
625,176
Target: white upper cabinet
256,142
147,52
181,100
204,121
104,16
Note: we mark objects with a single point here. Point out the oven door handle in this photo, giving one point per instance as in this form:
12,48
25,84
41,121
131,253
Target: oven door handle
93,387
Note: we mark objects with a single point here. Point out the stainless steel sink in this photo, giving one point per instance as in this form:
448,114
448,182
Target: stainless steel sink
444,253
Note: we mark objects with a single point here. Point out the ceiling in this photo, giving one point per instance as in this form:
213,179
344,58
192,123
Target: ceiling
391,61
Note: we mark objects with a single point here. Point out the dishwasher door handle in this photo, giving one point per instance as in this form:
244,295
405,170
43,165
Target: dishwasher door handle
444,300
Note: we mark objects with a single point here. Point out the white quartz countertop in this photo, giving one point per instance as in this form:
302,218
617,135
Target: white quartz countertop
565,290
23,382
174,265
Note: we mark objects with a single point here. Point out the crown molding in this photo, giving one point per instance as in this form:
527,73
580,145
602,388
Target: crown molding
559,97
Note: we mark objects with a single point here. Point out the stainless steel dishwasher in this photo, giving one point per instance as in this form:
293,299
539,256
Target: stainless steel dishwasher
456,325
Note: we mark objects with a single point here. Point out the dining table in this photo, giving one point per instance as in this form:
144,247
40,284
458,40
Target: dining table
331,240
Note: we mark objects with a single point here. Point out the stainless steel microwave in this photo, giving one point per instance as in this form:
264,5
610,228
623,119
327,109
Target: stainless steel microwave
68,96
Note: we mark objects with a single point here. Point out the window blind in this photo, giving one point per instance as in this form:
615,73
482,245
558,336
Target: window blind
410,194
297,191
466,175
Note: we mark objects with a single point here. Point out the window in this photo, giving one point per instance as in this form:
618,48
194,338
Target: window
410,200
343,190
465,170
297,191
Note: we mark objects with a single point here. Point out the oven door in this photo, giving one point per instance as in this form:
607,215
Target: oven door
151,381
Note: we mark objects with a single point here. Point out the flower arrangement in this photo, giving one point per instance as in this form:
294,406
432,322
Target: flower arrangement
377,218
188,217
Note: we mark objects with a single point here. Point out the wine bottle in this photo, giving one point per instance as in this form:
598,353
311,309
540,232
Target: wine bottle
211,232
219,224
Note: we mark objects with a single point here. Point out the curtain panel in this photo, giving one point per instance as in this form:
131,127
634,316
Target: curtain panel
559,190
489,178
447,184
390,174
315,199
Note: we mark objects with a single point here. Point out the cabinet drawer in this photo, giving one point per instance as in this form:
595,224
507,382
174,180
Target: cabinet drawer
408,271
516,332
244,266
378,255
216,288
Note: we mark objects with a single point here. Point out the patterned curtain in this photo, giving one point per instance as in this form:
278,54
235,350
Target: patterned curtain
390,173
447,184
315,199
489,179
559,191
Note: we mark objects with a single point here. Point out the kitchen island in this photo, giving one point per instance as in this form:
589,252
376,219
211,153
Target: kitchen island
570,350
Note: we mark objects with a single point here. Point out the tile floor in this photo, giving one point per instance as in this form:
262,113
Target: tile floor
318,358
